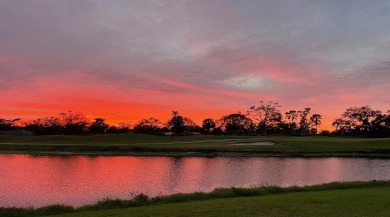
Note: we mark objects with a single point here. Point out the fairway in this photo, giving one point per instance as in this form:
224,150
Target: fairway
138,144
373,201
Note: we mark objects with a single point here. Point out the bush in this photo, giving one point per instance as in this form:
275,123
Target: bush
54,210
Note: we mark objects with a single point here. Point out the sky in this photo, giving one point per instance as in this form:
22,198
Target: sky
133,59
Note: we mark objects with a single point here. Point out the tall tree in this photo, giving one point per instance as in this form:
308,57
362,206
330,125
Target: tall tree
304,126
265,114
315,120
291,117
176,123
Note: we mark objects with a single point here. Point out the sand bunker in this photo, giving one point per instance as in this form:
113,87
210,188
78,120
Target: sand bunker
255,143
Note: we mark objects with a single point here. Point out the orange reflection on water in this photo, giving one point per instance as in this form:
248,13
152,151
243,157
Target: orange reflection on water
77,180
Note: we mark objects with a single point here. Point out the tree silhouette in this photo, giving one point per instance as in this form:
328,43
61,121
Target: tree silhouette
304,126
381,125
150,125
98,126
74,122
176,123
6,125
361,121
237,123
46,126
190,125
315,120
208,125
266,119
291,117
265,114
123,127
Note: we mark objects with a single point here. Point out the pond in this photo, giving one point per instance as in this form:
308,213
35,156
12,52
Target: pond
27,180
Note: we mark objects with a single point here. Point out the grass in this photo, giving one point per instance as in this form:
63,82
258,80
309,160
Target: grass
352,202
156,145
334,199
148,143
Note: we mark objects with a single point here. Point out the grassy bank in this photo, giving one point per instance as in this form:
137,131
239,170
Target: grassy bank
334,199
133,144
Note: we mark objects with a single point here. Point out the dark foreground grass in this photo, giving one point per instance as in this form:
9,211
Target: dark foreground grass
307,200
367,202
130,144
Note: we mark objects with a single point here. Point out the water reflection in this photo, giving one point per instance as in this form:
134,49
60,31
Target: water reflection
77,180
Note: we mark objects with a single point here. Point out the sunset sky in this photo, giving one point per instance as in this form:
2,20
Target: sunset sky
133,59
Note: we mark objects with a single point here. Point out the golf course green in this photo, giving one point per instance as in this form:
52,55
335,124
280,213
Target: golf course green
209,145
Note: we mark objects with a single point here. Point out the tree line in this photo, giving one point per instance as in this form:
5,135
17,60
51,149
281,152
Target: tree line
363,121
265,118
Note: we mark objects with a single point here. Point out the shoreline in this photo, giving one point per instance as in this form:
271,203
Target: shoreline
142,200
204,154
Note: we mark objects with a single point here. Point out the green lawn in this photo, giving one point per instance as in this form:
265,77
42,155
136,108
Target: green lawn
372,201
120,144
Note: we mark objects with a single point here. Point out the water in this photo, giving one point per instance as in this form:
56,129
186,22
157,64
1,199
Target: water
78,180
